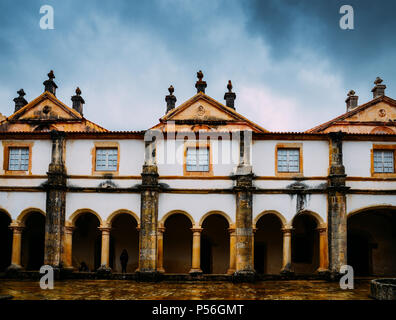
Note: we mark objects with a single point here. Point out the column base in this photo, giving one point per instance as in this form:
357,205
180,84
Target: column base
13,269
334,276
287,270
230,271
103,269
148,276
195,272
244,276
160,270
322,272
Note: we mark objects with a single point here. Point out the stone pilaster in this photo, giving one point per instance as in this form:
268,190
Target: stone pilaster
17,229
287,254
55,203
148,244
160,249
244,270
232,267
68,245
105,252
323,250
196,251
336,208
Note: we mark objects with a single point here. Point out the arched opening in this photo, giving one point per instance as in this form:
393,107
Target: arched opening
33,241
177,244
215,245
372,242
5,240
305,244
124,235
268,244
87,242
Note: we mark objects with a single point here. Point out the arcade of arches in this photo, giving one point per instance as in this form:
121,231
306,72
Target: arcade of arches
208,247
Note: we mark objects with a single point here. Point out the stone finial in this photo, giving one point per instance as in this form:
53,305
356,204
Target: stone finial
50,85
351,101
200,85
379,88
78,101
170,99
20,101
230,96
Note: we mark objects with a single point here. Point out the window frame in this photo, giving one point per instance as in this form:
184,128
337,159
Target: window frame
7,145
297,146
383,147
195,144
105,145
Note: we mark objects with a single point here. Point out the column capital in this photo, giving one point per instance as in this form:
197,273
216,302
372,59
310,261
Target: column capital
69,229
17,227
104,229
161,229
231,230
195,229
287,229
322,229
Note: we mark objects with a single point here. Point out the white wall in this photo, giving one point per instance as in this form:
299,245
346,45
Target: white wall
16,202
315,157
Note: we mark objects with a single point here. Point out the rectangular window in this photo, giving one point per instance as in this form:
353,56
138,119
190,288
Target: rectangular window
106,159
18,159
288,160
197,159
384,161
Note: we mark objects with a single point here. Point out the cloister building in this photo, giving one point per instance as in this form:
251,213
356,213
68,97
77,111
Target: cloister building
205,190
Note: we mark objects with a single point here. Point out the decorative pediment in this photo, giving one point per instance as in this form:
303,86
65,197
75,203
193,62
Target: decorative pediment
376,116
46,107
204,112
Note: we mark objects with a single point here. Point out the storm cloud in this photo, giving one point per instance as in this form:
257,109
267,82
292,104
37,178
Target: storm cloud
290,62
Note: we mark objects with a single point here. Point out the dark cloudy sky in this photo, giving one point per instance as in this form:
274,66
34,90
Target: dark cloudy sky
290,63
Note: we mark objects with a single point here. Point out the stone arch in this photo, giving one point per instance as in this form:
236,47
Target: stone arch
268,242
370,208
221,213
5,239
170,213
25,213
215,242
319,220
6,213
371,241
305,242
73,218
274,212
110,219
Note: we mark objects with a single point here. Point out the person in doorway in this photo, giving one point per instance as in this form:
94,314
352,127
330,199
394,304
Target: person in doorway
124,260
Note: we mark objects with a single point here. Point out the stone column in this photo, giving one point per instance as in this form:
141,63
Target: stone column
323,257
160,238
105,253
286,261
244,220
149,214
16,246
55,203
336,208
196,251
68,242
231,269
254,232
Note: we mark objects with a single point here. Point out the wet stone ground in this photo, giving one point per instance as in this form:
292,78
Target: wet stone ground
131,290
